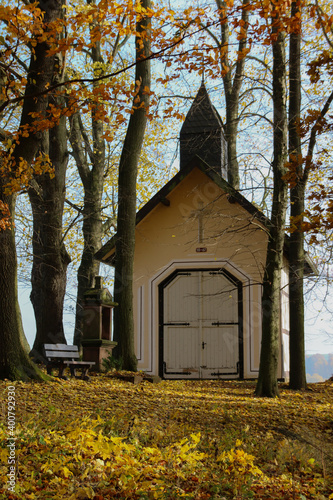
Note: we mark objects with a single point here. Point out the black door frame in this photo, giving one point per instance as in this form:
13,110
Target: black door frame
187,272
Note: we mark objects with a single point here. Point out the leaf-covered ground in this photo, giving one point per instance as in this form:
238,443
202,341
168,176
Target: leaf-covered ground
108,438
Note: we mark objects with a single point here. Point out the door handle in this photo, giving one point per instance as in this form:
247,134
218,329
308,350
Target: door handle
203,344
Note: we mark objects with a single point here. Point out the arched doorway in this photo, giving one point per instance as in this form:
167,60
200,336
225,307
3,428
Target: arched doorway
200,331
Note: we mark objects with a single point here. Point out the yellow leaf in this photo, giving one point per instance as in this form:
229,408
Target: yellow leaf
65,472
196,437
3,455
83,493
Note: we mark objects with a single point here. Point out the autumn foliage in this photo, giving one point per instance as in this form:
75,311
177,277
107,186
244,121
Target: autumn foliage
178,439
184,40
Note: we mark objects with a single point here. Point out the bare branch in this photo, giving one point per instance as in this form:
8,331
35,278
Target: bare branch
320,12
313,137
76,207
260,61
261,117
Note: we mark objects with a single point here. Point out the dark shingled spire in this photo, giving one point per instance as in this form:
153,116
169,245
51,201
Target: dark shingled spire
202,135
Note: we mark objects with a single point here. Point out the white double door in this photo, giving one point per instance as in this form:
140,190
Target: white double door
200,326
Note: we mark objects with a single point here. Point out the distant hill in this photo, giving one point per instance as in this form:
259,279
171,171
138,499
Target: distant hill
319,367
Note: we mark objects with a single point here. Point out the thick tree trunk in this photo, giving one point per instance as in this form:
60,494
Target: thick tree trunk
297,195
267,381
14,360
15,363
50,258
125,240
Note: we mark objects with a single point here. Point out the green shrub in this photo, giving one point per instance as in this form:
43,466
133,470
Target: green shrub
110,363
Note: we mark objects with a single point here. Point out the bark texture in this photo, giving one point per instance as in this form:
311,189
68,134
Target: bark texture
15,363
269,356
50,258
128,167
297,196
14,360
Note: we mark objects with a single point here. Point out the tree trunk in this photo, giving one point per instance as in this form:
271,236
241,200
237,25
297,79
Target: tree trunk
50,258
93,181
267,381
297,195
296,293
232,87
125,239
92,234
231,128
15,363
14,360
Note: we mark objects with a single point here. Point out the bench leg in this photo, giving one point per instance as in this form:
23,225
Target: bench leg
61,372
73,371
49,370
85,375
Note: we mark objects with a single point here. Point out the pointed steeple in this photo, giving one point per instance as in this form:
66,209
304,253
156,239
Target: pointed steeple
202,135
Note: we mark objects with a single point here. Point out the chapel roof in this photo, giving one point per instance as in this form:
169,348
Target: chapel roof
202,115
106,253
202,135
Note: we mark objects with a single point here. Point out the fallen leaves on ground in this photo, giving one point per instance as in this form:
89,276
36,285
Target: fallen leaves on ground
108,438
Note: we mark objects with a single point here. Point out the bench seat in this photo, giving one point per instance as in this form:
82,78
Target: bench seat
61,356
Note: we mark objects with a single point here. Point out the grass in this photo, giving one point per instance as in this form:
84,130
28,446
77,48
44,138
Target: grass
198,440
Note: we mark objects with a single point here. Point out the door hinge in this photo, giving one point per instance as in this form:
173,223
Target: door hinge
217,374
165,372
222,323
176,324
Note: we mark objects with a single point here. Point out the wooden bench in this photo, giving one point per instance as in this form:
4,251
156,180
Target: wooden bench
63,356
